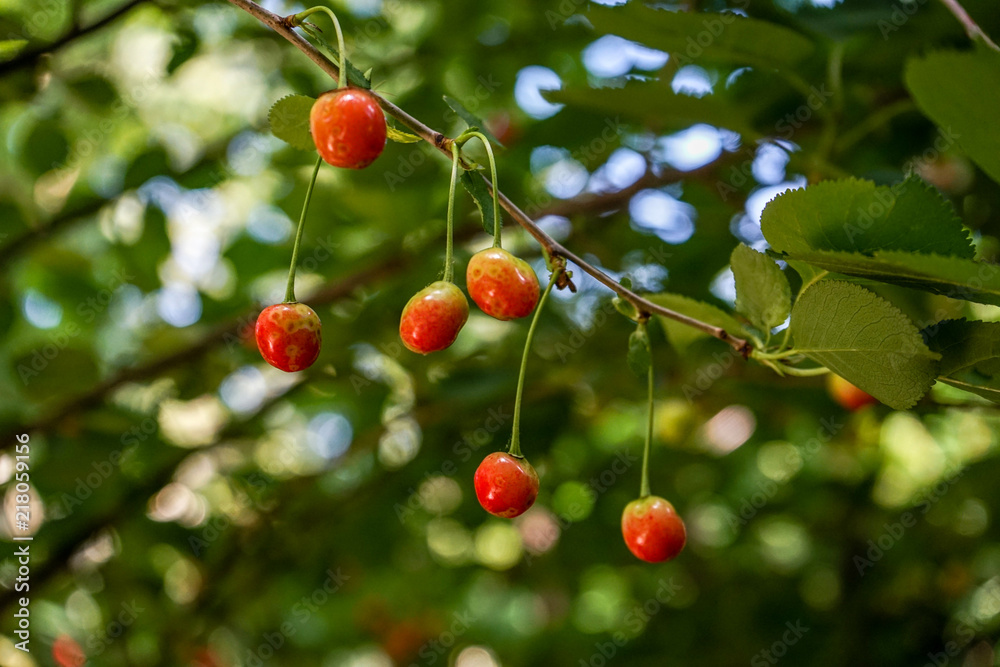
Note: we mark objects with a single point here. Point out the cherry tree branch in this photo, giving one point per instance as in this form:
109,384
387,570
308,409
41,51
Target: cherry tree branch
972,28
283,27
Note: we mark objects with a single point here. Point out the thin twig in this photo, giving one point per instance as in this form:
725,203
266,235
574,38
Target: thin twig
283,27
972,28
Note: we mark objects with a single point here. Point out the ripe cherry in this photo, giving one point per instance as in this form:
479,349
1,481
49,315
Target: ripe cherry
847,395
288,336
433,317
506,485
653,530
502,285
348,127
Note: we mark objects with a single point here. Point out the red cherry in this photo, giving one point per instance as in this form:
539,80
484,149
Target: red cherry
433,317
502,285
653,530
348,127
66,652
847,395
506,485
288,336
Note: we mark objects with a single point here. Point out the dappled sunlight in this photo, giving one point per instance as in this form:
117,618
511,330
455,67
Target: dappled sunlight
730,428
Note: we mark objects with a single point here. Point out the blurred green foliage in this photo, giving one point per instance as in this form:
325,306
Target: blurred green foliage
195,507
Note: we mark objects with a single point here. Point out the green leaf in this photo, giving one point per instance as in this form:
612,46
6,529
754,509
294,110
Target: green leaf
971,381
970,355
807,272
401,137
864,339
855,215
960,92
949,276
473,121
476,187
639,353
966,345
762,291
289,120
658,106
185,46
690,36
354,75
682,335
45,148
9,48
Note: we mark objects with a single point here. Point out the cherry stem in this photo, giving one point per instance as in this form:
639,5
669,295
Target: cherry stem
465,136
515,437
301,16
449,249
644,484
290,289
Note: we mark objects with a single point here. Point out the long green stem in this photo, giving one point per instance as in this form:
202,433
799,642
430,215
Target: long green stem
449,249
465,136
805,372
515,437
644,484
290,289
342,77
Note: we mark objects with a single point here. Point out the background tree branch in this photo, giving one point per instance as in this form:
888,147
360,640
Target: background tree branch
29,58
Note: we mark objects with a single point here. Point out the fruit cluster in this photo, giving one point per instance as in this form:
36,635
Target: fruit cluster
349,131
503,286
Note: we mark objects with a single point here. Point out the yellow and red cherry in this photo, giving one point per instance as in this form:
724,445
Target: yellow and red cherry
288,336
348,127
506,485
653,530
502,285
433,317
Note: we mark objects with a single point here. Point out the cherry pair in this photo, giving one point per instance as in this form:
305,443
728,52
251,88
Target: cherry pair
502,285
